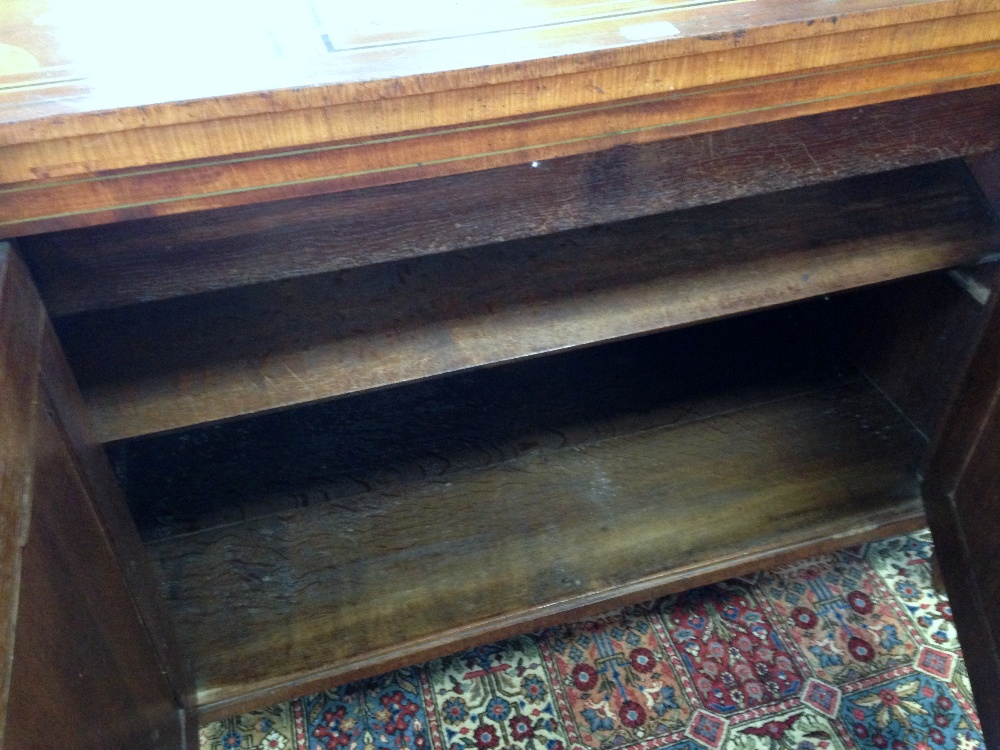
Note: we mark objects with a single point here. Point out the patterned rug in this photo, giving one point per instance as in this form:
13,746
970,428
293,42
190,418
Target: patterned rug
851,650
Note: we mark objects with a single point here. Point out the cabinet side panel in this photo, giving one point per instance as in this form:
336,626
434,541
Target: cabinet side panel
76,651
81,658
109,503
986,170
913,340
20,332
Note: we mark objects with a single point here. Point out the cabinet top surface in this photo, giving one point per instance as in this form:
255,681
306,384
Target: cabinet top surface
63,62
109,112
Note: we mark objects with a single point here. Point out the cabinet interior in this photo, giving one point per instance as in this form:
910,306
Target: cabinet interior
341,473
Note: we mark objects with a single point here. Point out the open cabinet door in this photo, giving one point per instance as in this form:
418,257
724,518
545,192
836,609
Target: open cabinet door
87,660
962,496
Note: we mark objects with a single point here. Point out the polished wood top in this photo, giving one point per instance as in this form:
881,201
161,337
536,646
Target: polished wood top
67,59
109,113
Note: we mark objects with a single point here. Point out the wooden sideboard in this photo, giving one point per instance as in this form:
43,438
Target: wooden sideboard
333,340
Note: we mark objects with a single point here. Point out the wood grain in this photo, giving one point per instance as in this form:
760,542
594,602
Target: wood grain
461,106
532,541
215,475
21,324
171,256
962,495
74,641
81,652
483,549
728,65
270,346
332,168
372,71
108,502
917,360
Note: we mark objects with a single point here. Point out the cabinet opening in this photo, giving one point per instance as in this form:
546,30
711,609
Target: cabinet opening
341,474
388,527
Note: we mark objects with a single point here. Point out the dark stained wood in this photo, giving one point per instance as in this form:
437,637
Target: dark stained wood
75,643
395,576
81,144
937,577
21,325
986,169
275,345
108,501
80,654
917,353
154,259
219,474
962,493
962,496
640,501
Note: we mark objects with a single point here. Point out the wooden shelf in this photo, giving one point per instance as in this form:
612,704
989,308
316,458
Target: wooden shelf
176,363
213,475
769,459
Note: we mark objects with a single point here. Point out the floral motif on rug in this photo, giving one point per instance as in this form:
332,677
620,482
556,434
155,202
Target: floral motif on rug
904,564
841,615
734,654
496,696
849,650
385,712
617,680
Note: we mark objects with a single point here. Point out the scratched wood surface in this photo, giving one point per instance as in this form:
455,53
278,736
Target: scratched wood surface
91,131
146,260
401,574
274,345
